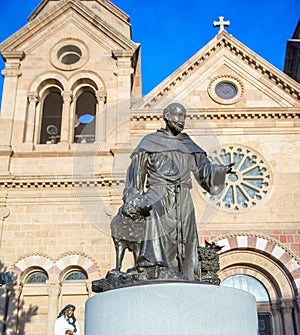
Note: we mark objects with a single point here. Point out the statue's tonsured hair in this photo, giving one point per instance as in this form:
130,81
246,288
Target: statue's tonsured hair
174,106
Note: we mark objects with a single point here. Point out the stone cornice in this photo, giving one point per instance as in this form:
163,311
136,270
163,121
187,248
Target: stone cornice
67,182
222,40
223,114
106,4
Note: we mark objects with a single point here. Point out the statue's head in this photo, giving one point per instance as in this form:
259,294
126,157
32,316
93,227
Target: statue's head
174,115
67,311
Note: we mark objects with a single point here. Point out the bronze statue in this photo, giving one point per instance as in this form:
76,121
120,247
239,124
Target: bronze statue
128,227
160,175
209,262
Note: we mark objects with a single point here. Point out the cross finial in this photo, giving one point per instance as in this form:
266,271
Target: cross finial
221,23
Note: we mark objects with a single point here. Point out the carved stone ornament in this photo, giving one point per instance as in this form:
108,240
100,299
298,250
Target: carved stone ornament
69,54
226,89
249,185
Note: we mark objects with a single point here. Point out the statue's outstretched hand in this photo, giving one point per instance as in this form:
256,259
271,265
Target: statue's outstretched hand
229,168
220,172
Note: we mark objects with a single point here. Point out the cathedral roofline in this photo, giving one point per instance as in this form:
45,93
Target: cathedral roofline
105,3
42,21
222,40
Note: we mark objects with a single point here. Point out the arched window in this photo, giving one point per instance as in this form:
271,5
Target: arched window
75,275
248,284
51,117
36,277
85,114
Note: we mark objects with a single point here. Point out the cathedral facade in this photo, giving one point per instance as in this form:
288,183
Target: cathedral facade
72,112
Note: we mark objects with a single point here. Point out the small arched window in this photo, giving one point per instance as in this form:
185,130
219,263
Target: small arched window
51,117
36,277
248,284
75,275
85,114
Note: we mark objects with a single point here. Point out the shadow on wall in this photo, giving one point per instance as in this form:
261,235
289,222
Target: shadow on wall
14,315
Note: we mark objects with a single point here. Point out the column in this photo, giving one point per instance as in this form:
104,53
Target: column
29,131
54,290
124,72
297,315
100,117
278,329
286,307
66,126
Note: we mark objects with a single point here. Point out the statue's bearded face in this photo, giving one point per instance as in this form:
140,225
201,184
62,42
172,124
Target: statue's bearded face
175,120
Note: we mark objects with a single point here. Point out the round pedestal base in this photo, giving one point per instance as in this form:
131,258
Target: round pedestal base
183,308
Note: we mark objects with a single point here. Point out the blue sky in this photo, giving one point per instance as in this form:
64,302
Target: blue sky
172,31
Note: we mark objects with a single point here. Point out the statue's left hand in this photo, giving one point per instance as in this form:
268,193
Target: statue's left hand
229,168
220,172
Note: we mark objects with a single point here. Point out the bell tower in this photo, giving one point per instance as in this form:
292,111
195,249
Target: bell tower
69,80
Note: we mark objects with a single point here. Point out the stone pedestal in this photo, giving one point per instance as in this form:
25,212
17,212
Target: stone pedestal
183,308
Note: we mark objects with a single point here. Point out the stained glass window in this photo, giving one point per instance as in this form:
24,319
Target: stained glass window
36,277
248,185
248,284
75,276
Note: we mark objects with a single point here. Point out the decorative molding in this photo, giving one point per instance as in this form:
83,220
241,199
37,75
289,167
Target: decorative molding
47,263
81,261
45,19
224,114
235,82
27,184
69,44
284,258
251,182
224,40
259,236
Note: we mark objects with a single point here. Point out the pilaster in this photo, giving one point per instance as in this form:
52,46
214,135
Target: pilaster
123,73
286,307
275,307
11,74
297,315
54,290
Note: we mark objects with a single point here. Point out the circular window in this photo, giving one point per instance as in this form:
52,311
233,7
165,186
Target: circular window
69,54
226,90
250,183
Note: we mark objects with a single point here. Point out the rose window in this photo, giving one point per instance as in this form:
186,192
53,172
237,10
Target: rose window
250,183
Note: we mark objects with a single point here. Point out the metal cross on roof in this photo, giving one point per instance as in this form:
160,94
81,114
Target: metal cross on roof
221,23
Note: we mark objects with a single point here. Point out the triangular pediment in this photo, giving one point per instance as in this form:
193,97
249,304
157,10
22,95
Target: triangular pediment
110,7
225,59
61,13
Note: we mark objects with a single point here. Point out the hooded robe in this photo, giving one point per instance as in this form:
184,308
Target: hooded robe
160,169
